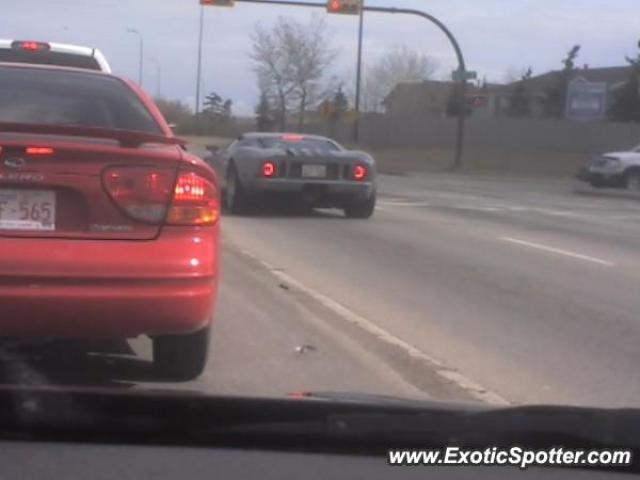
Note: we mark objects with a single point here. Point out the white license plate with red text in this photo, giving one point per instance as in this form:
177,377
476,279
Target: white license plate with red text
27,210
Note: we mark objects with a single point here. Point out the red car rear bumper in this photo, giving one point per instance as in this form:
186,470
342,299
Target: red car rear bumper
85,288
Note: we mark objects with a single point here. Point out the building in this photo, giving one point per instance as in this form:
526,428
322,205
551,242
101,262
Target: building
430,97
537,87
425,98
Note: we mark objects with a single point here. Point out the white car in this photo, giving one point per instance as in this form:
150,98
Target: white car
28,51
615,169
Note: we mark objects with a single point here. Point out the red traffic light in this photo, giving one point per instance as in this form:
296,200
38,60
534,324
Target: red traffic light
217,3
349,7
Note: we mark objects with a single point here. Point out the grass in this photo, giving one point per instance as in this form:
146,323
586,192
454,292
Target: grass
203,141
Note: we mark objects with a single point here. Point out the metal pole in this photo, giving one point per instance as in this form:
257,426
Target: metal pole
407,11
199,70
356,124
141,66
140,60
158,76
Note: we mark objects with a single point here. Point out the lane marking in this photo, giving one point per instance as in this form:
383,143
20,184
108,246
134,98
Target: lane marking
382,209
451,375
395,203
558,251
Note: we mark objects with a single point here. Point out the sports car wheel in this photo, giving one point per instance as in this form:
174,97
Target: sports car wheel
632,181
181,357
236,199
361,208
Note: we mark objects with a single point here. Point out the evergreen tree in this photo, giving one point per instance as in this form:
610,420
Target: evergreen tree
626,102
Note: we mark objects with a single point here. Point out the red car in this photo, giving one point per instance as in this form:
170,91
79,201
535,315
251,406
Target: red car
108,226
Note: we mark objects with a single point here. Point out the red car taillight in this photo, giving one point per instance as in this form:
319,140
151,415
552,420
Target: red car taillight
359,172
151,194
142,192
268,169
196,201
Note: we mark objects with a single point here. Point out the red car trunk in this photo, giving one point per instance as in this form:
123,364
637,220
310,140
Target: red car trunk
84,188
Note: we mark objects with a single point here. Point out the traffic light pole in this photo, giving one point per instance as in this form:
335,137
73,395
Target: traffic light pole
407,11
199,70
356,123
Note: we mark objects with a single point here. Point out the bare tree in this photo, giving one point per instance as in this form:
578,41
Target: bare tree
290,60
398,65
273,66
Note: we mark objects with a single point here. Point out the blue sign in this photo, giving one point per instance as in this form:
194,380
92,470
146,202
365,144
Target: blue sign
586,100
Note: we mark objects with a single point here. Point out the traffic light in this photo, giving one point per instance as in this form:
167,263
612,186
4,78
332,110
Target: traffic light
217,3
347,7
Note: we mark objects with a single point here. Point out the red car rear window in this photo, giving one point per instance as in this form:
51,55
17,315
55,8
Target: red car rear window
57,97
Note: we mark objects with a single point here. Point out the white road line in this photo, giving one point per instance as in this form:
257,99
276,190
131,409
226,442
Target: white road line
382,209
451,375
394,203
559,251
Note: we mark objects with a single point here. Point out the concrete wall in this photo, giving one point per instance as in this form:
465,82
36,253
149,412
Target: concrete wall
488,133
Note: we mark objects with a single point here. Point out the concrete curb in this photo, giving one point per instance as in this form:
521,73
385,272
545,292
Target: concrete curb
584,189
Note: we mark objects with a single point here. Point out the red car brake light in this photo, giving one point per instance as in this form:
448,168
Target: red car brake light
144,193
31,46
38,150
359,172
268,169
196,201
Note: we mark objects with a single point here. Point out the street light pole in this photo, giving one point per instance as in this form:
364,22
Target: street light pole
158,76
199,70
356,124
141,59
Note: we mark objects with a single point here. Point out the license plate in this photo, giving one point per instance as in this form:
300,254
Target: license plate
314,171
27,210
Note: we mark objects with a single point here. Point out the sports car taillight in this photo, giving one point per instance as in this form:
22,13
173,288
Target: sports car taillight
196,201
268,169
359,172
143,193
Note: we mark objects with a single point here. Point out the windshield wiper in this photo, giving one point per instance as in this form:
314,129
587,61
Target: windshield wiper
126,138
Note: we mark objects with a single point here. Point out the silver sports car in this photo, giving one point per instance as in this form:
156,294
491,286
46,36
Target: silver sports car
310,170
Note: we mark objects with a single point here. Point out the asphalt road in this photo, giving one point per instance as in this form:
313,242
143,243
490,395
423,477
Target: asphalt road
522,288
459,288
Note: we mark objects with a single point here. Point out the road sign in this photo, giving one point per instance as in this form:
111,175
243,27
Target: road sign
478,101
326,109
351,114
347,7
217,3
467,75
586,100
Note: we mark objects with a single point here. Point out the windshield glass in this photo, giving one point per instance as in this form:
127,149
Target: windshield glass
298,143
11,55
417,202
57,97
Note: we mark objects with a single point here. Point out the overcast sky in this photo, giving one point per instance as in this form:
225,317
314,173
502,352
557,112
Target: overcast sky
495,35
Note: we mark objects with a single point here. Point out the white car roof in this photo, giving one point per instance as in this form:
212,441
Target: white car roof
70,49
